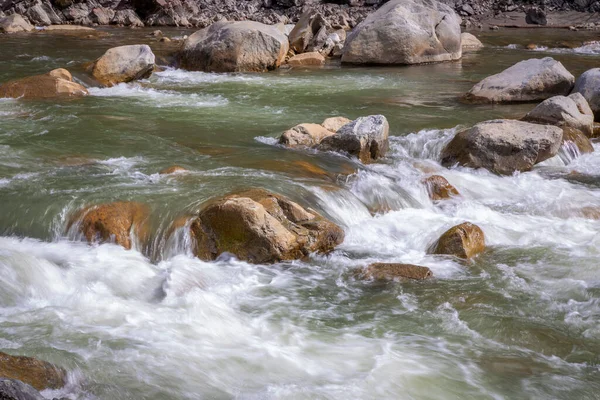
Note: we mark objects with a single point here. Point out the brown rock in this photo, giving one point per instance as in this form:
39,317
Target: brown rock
51,85
333,124
175,169
304,135
313,58
383,271
15,23
124,64
439,188
463,241
577,137
61,73
37,373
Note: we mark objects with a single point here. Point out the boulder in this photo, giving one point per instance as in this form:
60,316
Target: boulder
119,222
124,64
175,169
439,188
127,17
588,84
12,389
307,59
333,124
261,227
577,138
310,28
15,23
572,111
405,32
470,42
389,272
527,81
304,135
536,16
57,83
463,241
365,138
503,146
234,47
37,373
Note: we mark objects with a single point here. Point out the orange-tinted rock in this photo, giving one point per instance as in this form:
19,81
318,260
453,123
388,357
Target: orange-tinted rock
333,124
305,135
384,271
463,241
578,138
439,188
39,374
313,58
55,84
175,169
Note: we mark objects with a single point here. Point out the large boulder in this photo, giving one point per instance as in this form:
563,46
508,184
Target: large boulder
310,28
572,111
15,23
463,241
527,81
120,222
261,227
469,42
536,16
12,389
57,83
235,47
588,84
365,138
304,135
39,374
405,32
124,64
389,272
503,146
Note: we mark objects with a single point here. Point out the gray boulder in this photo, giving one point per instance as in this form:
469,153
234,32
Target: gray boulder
526,81
124,64
365,138
588,84
15,23
406,32
12,389
503,146
235,47
572,111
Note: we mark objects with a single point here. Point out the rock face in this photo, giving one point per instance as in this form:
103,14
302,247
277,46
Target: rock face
39,374
15,23
588,84
124,64
469,42
503,146
57,83
11,389
235,47
526,81
304,135
388,272
261,227
310,28
307,59
365,138
572,111
119,222
439,188
405,32
463,241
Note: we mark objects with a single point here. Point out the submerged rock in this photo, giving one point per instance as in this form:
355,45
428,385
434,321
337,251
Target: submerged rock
463,241
307,59
388,272
262,227
175,169
235,47
406,32
503,146
588,84
304,135
12,389
37,373
15,23
439,188
526,81
57,83
469,42
124,64
572,111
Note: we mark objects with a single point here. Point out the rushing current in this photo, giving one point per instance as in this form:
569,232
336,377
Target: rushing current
522,321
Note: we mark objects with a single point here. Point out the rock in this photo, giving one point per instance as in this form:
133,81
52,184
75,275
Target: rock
529,80
156,33
469,42
261,227
572,111
164,40
439,188
12,389
37,373
55,84
388,272
15,23
124,64
365,138
333,124
588,84
463,241
307,59
305,135
235,47
536,16
578,138
503,146
406,32
119,222
307,29
127,17
175,169
69,28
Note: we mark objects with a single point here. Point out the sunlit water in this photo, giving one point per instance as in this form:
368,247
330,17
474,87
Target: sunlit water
521,321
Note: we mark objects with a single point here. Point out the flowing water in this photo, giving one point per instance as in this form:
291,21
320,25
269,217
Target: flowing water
522,321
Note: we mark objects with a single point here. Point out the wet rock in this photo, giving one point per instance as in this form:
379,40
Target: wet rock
127,17
469,42
37,373
304,135
15,23
463,241
69,29
529,80
503,146
389,272
175,169
333,124
55,84
307,59
124,64
405,32
578,138
120,222
235,47
12,389
308,32
536,16
572,111
588,84
439,188
261,227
